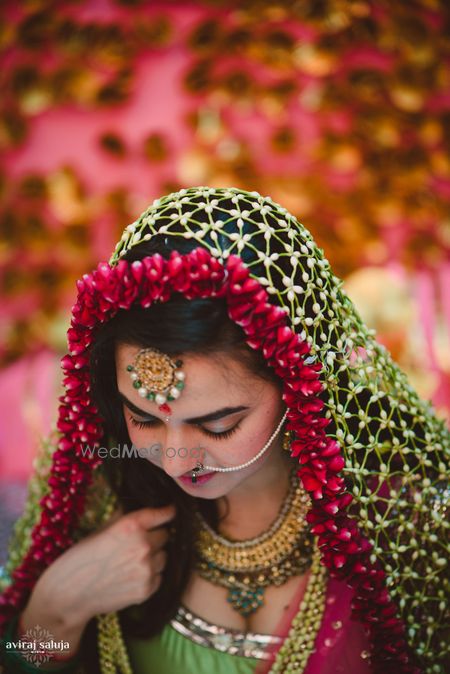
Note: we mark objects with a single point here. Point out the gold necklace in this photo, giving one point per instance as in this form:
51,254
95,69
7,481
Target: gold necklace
246,568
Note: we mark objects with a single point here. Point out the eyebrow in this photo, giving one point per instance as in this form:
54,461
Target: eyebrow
212,416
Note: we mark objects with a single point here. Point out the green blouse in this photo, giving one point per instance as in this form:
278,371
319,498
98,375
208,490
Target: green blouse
192,645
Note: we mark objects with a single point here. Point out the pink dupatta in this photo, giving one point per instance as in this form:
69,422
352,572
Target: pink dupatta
341,644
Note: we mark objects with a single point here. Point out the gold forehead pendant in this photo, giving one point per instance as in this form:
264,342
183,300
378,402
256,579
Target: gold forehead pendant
157,377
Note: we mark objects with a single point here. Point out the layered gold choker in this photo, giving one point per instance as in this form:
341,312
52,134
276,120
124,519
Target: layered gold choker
246,568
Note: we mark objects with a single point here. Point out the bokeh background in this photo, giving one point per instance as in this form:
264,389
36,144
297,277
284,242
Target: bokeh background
337,109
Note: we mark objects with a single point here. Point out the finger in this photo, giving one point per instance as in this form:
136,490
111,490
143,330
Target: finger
149,518
159,561
156,582
158,538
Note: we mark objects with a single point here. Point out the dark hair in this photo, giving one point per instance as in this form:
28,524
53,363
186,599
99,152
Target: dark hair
178,326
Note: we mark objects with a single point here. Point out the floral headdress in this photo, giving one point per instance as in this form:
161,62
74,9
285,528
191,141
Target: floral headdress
372,455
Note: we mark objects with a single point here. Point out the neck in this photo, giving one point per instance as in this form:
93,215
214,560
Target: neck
254,504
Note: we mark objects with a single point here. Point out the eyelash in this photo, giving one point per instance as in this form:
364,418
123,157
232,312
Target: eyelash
217,436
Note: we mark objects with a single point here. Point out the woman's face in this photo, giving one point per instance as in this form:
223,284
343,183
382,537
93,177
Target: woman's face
223,417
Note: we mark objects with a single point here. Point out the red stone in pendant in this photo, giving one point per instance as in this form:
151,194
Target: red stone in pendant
165,408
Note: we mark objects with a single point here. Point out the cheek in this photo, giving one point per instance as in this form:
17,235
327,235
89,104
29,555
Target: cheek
260,432
146,442
248,443
134,432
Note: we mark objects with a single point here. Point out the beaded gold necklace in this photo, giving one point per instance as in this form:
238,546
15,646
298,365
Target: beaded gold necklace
246,568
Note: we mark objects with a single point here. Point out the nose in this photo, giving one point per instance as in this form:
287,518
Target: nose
178,456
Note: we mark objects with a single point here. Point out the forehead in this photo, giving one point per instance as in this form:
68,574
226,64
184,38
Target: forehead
206,376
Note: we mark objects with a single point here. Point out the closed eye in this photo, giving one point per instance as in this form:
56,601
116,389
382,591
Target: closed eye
216,435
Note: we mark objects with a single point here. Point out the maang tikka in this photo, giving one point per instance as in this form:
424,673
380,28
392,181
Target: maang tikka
157,377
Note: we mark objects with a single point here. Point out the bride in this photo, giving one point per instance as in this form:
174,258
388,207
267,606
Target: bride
284,509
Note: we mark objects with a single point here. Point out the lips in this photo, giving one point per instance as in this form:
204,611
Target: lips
187,478
189,473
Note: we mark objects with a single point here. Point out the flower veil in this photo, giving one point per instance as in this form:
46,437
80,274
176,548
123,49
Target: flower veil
372,454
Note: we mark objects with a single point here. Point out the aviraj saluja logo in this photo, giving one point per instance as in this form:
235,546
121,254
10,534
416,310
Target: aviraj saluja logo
36,645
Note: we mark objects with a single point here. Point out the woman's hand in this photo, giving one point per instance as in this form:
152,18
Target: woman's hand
112,568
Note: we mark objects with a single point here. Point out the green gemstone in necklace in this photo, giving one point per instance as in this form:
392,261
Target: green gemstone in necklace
246,600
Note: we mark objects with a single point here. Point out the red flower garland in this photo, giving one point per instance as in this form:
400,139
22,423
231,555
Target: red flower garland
345,551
